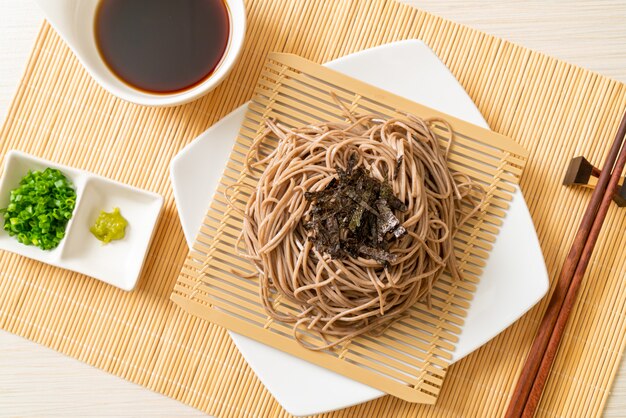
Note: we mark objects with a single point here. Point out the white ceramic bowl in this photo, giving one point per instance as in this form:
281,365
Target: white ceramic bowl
74,21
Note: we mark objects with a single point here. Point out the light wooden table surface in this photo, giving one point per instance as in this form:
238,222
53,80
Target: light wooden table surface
36,381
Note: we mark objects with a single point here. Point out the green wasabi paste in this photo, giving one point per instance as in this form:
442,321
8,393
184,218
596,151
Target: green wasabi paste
109,226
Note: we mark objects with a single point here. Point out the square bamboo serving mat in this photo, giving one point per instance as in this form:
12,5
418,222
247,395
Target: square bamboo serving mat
553,109
409,360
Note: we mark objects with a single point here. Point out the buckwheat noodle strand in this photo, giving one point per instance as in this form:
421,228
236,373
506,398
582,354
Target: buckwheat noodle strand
341,299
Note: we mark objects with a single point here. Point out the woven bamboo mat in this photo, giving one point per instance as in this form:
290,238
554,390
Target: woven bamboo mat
553,109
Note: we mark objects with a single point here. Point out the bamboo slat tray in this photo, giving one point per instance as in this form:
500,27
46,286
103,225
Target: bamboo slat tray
410,359
553,109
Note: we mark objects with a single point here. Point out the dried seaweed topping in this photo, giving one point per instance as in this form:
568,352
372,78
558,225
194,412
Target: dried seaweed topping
355,216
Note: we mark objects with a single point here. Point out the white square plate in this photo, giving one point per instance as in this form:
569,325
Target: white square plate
514,279
118,263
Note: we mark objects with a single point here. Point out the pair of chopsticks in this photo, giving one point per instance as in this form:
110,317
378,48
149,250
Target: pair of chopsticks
537,367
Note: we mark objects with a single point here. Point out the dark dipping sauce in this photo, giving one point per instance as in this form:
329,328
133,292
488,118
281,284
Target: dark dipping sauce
162,46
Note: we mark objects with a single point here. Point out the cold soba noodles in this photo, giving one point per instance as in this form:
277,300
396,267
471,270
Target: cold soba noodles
353,222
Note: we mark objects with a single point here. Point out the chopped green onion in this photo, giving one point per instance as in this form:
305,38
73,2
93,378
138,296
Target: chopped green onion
40,208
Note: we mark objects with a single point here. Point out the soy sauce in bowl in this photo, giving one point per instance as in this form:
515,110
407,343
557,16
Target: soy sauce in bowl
162,46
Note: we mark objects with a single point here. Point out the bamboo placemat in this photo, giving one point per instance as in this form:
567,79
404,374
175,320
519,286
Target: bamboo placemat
553,109
410,359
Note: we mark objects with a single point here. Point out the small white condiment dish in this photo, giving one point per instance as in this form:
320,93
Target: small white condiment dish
117,263
74,21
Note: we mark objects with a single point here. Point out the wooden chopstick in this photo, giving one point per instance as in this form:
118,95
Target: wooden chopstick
526,380
570,298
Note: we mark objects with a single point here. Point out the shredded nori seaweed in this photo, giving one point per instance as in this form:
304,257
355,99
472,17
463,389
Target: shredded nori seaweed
354,216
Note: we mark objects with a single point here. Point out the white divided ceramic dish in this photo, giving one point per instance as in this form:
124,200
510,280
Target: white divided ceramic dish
514,279
118,263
